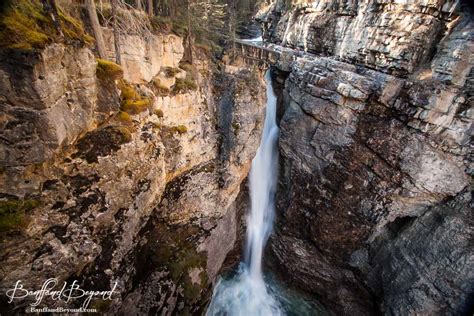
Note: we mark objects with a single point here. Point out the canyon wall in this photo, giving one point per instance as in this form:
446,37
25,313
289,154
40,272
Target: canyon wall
374,200
142,193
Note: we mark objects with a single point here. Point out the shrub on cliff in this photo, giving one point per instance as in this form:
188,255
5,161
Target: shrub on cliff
184,85
12,213
171,71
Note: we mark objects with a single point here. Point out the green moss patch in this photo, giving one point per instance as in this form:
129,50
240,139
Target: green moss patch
175,252
132,102
171,71
184,85
12,213
108,70
160,89
24,25
180,129
134,107
159,113
124,116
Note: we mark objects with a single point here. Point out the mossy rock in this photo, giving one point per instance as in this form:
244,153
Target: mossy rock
124,116
170,72
102,142
24,25
180,129
188,67
132,102
184,85
174,251
108,70
135,107
127,91
12,213
159,113
160,89
236,127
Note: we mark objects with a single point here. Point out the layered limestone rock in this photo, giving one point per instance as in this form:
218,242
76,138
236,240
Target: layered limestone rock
391,36
144,56
374,200
136,198
48,100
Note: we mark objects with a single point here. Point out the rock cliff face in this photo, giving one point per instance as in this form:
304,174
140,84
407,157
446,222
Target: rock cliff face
374,200
144,198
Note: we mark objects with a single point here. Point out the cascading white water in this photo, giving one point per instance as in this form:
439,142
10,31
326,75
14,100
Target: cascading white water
246,294
256,39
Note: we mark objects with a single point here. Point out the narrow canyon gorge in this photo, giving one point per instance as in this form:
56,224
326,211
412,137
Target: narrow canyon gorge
160,149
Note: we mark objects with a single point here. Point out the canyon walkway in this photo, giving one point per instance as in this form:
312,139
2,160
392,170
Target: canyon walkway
263,54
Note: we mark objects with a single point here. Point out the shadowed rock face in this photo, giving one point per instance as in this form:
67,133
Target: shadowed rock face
374,200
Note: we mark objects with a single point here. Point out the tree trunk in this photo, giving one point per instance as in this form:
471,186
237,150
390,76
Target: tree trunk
150,7
118,57
138,4
188,40
96,29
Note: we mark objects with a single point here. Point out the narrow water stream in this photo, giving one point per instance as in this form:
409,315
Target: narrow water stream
246,292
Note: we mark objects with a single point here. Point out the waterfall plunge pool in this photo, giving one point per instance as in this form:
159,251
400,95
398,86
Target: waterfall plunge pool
247,291
229,297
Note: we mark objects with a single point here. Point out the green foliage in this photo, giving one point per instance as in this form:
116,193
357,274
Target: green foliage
107,69
184,85
189,68
12,213
180,129
24,25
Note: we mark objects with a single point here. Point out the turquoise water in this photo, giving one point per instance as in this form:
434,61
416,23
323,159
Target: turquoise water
288,302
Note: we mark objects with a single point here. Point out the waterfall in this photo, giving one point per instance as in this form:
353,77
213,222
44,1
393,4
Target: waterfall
246,294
